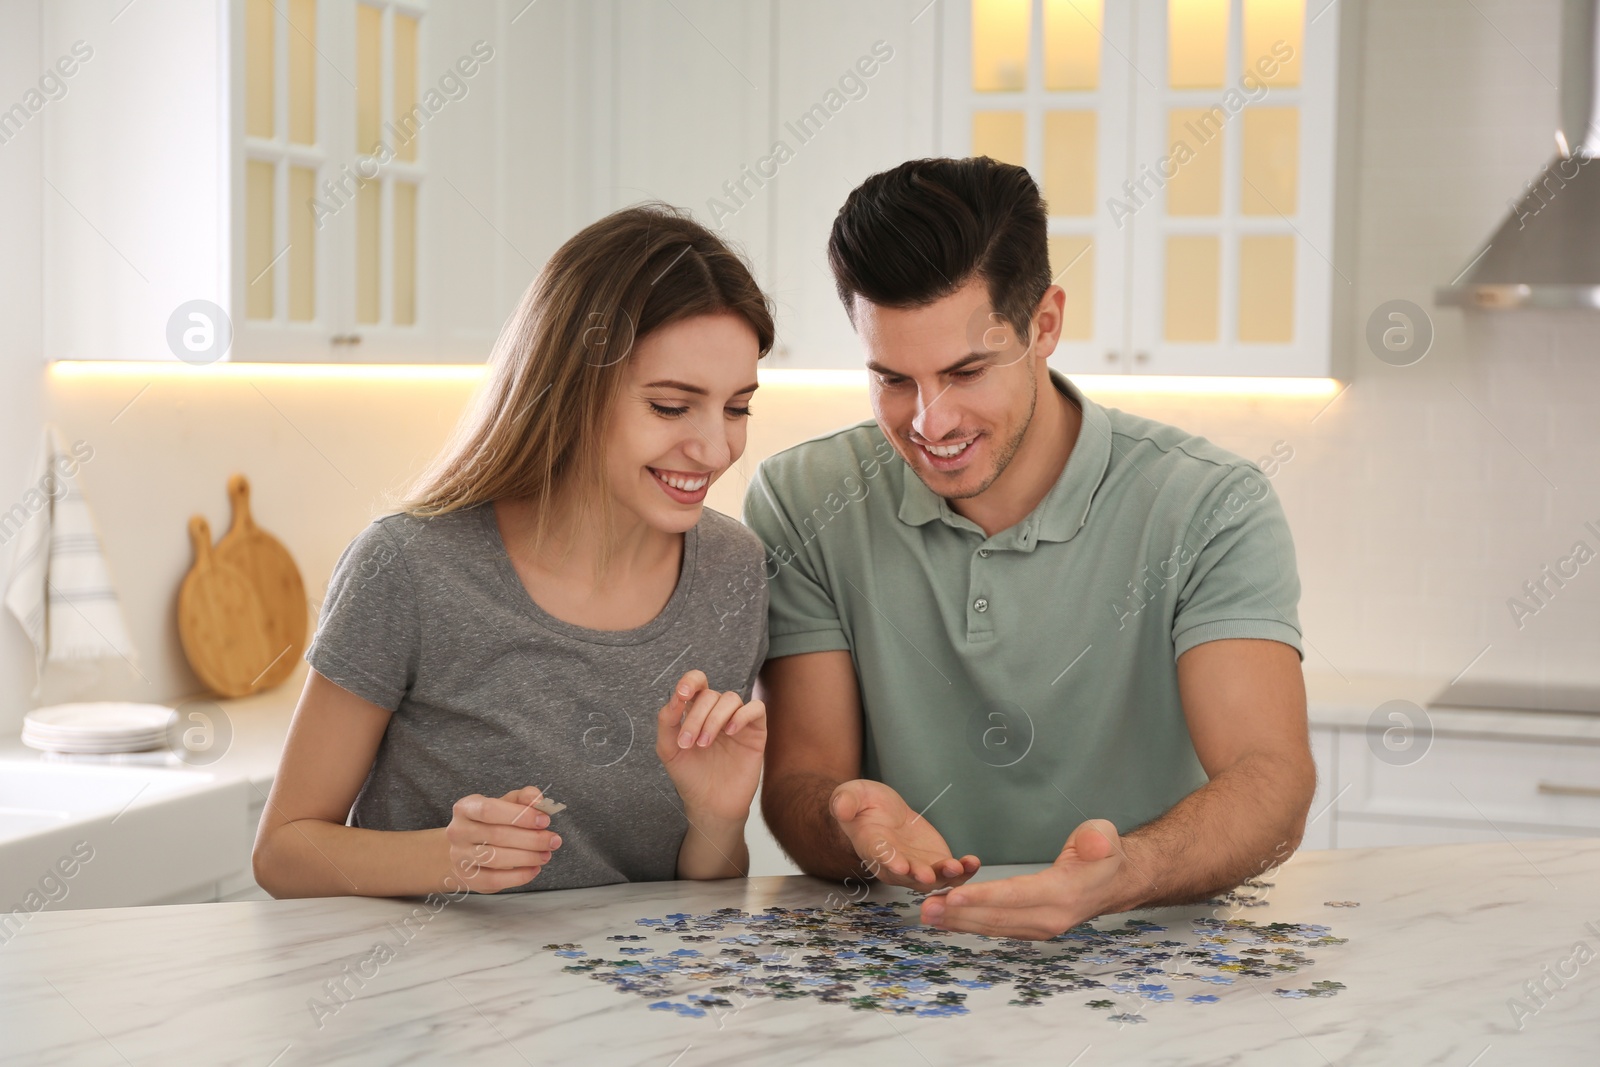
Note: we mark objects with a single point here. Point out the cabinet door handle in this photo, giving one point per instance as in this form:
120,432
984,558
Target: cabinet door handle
1555,789
1111,357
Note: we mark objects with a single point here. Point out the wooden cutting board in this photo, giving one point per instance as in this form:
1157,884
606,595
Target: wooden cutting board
221,622
271,570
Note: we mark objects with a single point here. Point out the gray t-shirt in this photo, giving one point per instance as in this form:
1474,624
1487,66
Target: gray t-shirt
490,693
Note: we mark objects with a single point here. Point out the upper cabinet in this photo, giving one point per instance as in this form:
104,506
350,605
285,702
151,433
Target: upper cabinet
324,180
1189,151
375,157
760,117
379,180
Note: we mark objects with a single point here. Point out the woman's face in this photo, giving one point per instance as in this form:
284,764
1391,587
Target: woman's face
679,421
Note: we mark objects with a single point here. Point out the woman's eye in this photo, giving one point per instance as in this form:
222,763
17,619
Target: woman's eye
666,412
740,413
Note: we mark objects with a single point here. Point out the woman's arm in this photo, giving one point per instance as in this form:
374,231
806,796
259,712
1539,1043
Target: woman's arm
711,745
304,849
713,849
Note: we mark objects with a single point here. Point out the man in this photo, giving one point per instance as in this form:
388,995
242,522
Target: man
1000,611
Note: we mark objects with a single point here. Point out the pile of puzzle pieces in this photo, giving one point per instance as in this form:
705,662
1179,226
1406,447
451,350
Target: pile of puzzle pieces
872,956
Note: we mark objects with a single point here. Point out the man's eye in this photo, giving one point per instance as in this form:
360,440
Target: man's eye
666,412
890,383
968,375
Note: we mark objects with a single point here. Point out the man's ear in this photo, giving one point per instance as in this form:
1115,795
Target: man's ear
1049,318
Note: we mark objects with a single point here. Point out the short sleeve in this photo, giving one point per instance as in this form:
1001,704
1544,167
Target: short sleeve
1243,582
368,640
802,615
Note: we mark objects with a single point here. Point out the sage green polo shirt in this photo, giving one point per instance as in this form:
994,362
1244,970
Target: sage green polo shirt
1024,682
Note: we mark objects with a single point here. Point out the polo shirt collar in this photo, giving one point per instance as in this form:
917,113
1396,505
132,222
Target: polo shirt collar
1064,509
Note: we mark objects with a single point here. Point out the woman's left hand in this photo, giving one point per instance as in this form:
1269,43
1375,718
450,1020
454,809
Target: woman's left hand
711,744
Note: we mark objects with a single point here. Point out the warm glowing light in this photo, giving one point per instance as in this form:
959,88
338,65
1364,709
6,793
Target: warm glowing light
800,377
1193,384
1205,385
420,372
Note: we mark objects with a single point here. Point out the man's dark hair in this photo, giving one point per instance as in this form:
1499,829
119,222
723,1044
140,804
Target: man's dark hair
915,234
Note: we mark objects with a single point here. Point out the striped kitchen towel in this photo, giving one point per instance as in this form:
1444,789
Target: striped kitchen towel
60,588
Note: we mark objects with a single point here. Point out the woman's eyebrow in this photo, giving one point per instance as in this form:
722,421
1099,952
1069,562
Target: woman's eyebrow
667,383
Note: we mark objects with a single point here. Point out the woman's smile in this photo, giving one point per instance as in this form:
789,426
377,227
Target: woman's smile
686,487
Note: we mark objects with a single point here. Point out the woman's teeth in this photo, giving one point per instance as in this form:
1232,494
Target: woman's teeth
679,481
947,451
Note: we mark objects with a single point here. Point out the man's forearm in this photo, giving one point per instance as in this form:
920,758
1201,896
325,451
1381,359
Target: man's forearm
796,810
1246,820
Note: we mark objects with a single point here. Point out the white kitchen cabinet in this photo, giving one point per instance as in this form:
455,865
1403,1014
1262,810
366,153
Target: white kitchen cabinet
760,118
1362,832
1047,86
1192,157
685,91
1319,820
134,201
854,86
255,203
373,147
1495,782
1480,784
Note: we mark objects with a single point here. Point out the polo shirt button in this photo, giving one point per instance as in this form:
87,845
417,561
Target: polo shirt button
984,552
980,605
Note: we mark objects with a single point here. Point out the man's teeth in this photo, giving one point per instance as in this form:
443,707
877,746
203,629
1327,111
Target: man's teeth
946,451
678,481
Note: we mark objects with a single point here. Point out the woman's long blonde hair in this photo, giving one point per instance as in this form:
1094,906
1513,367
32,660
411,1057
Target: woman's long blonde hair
537,428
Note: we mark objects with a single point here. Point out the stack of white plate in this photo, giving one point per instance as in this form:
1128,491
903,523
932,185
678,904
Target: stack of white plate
97,728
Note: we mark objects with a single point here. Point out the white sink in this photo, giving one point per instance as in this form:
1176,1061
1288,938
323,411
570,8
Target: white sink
70,790
127,835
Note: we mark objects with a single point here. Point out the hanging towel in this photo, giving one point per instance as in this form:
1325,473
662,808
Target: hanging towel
60,588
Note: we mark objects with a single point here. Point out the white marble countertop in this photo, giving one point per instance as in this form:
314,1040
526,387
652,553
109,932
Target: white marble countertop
1444,938
1349,701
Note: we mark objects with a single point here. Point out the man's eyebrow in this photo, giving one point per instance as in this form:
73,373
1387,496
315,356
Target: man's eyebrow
668,383
965,361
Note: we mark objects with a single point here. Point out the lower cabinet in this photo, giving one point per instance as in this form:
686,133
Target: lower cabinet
241,885
1319,820
1454,788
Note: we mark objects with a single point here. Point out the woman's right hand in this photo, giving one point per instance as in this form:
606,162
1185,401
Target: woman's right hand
499,843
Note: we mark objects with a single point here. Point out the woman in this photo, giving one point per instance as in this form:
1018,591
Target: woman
553,581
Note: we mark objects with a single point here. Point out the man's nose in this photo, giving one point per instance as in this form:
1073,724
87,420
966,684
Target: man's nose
936,416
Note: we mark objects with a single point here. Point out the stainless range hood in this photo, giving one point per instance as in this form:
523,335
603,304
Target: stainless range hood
1547,252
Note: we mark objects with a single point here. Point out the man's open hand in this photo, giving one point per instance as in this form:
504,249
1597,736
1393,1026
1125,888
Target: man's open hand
1077,887
895,843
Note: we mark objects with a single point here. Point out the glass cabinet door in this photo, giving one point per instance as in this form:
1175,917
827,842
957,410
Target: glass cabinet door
285,149
1230,188
333,202
1045,84
1186,150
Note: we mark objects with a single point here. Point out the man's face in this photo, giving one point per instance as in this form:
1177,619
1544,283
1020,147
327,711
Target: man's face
952,386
